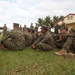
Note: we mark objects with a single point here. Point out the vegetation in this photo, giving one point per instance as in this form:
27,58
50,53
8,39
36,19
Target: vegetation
31,62
47,19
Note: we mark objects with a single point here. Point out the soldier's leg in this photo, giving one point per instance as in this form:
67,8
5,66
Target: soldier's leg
43,46
65,47
9,44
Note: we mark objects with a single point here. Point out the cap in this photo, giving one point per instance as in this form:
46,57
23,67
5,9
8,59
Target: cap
43,26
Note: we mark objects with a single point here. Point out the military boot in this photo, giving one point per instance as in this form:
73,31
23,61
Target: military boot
61,52
69,55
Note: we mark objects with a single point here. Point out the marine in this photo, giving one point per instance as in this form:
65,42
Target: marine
45,42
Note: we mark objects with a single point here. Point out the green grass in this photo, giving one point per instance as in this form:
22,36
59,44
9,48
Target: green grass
31,62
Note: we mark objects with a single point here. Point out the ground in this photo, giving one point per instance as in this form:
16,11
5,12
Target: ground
31,62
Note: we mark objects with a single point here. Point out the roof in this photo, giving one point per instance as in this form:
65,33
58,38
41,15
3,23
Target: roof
65,17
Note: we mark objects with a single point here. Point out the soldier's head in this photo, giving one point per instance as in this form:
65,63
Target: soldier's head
28,30
63,31
24,25
4,24
31,24
15,26
44,29
48,24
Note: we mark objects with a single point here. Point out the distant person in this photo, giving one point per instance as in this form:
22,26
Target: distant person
24,28
49,27
20,28
36,28
4,29
31,26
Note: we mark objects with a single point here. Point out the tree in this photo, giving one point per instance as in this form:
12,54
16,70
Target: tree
40,21
47,19
55,19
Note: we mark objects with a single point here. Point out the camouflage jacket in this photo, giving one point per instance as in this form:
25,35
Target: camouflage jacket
46,39
28,38
17,37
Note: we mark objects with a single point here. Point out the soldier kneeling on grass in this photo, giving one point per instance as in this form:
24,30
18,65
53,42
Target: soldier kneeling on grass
13,40
45,41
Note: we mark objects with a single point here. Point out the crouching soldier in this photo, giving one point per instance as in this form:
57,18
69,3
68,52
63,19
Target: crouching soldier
45,41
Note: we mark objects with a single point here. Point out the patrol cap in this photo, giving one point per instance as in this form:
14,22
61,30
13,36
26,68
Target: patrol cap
16,25
44,27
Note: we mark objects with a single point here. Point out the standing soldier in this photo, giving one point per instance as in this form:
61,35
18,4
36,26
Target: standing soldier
57,27
36,28
24,28
4,29
20,28
49,27
31,26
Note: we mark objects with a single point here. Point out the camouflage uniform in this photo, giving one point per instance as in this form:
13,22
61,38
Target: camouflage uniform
4,30
31,27
24,29
36,28
59,43
45,42
49,28
14,40
20,28
69,45
57,27
34,37
28,38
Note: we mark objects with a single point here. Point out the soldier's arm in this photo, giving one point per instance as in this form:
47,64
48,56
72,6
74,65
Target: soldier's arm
69,35
44,40
39,39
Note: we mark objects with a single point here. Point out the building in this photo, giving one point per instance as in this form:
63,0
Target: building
69,20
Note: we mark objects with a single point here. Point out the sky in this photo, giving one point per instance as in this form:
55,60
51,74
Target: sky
26,12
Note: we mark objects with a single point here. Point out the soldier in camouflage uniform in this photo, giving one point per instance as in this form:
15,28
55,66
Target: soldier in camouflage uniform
28,37
4,29
31,26
36,28
14,40
34,36
24,28
61,39
49,27
20,28
69,45
45,42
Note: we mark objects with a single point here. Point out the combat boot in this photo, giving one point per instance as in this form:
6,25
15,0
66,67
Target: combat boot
69,55
61,52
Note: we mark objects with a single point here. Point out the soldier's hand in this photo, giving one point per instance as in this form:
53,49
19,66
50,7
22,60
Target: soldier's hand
33,46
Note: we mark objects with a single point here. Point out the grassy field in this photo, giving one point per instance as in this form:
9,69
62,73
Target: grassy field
31,62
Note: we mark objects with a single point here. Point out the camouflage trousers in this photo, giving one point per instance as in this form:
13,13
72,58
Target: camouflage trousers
69,45
10,45
59,44
4,33
43,47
